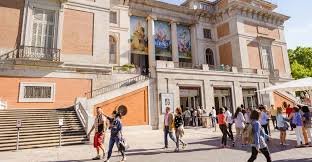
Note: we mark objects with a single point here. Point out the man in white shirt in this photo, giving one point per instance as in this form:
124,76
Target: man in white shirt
229,122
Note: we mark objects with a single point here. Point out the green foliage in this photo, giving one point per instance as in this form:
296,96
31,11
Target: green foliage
301,62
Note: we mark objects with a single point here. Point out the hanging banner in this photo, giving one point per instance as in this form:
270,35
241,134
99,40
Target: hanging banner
184,42
138,35
166,101
162,39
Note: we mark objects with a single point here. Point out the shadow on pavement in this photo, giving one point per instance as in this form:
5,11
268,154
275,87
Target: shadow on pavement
295,160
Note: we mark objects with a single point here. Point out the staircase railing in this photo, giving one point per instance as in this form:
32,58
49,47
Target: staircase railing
118,85
85,118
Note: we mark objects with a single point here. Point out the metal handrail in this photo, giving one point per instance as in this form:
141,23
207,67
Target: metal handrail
117,85
33,53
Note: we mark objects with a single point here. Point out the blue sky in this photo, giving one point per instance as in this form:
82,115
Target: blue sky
298,29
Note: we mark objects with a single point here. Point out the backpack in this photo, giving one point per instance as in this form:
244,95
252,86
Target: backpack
248,134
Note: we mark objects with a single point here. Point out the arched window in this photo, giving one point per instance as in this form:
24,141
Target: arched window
112,50
209,57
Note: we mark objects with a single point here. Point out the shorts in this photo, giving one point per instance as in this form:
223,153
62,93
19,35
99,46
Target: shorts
98,139
283,129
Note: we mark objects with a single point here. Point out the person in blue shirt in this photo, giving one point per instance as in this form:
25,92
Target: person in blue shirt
259,138
116,135
264,119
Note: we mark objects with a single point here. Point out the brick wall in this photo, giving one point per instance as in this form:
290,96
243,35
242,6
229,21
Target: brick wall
254,55
78,32
137,107
11,17
66,91
225,52
223,30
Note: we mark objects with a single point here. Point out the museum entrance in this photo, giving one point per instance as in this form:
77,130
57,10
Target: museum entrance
223,98
250,98
190,98
141,63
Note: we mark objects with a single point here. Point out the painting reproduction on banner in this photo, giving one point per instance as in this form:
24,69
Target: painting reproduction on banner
162,39
138,30
184,42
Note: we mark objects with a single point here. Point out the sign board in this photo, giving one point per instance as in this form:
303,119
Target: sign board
18,123
167,101
61,122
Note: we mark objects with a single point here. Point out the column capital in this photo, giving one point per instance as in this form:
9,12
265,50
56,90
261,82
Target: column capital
151,17
172,21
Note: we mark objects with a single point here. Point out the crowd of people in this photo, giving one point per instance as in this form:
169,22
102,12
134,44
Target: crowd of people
252,127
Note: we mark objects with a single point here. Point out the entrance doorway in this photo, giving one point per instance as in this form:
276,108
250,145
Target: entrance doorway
190,97
141,62
250,98
223,98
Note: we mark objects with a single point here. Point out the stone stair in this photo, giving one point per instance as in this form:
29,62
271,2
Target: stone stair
39,128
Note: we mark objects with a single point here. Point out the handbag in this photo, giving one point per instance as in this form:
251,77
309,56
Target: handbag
123,144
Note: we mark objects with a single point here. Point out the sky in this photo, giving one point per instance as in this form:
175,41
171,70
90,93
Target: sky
298,29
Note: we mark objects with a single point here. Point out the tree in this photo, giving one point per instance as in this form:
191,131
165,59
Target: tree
300,62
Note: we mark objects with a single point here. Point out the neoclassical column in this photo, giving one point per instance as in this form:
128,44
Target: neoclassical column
174,38
194,44
151,45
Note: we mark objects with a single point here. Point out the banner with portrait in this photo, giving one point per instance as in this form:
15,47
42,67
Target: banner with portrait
138,35
184,41
166,101
162,39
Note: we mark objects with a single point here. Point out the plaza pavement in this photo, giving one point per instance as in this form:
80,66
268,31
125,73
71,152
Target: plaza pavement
145,146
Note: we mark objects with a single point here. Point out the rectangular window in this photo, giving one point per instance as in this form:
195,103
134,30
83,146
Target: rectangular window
37,92
44,28
207,33
113,17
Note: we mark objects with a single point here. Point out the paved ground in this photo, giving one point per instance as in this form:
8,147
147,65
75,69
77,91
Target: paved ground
146,147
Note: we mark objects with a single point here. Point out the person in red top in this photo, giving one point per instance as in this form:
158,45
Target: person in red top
288,110
223,128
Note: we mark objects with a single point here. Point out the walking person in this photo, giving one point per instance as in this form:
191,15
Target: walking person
273,113
223,128
264,119
213,117
297,122
195,117
179,130
229,122
281,125
307,125
100,125
239,125
200,116
258,143
168,127
187,117
116,136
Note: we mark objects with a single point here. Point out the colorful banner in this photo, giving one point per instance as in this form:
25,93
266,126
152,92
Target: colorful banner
162,39
184,42
138,37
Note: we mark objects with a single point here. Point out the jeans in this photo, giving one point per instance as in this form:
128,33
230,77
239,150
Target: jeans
264,151
112,141
274,121
166,133
213,121
224,134
299,135
266,129
179,139
230,133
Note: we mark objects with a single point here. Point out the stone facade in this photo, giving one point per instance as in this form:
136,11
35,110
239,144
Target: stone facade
204,53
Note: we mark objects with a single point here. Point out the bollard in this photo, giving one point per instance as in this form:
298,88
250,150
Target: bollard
18,126
17,139
60,138
61,122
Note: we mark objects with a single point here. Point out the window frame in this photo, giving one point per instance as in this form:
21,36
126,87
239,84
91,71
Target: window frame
117,20
208,29
21,97
116,50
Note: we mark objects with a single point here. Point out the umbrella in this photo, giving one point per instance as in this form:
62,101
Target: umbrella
304,84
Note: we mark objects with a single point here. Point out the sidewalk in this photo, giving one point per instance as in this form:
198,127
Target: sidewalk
145,146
